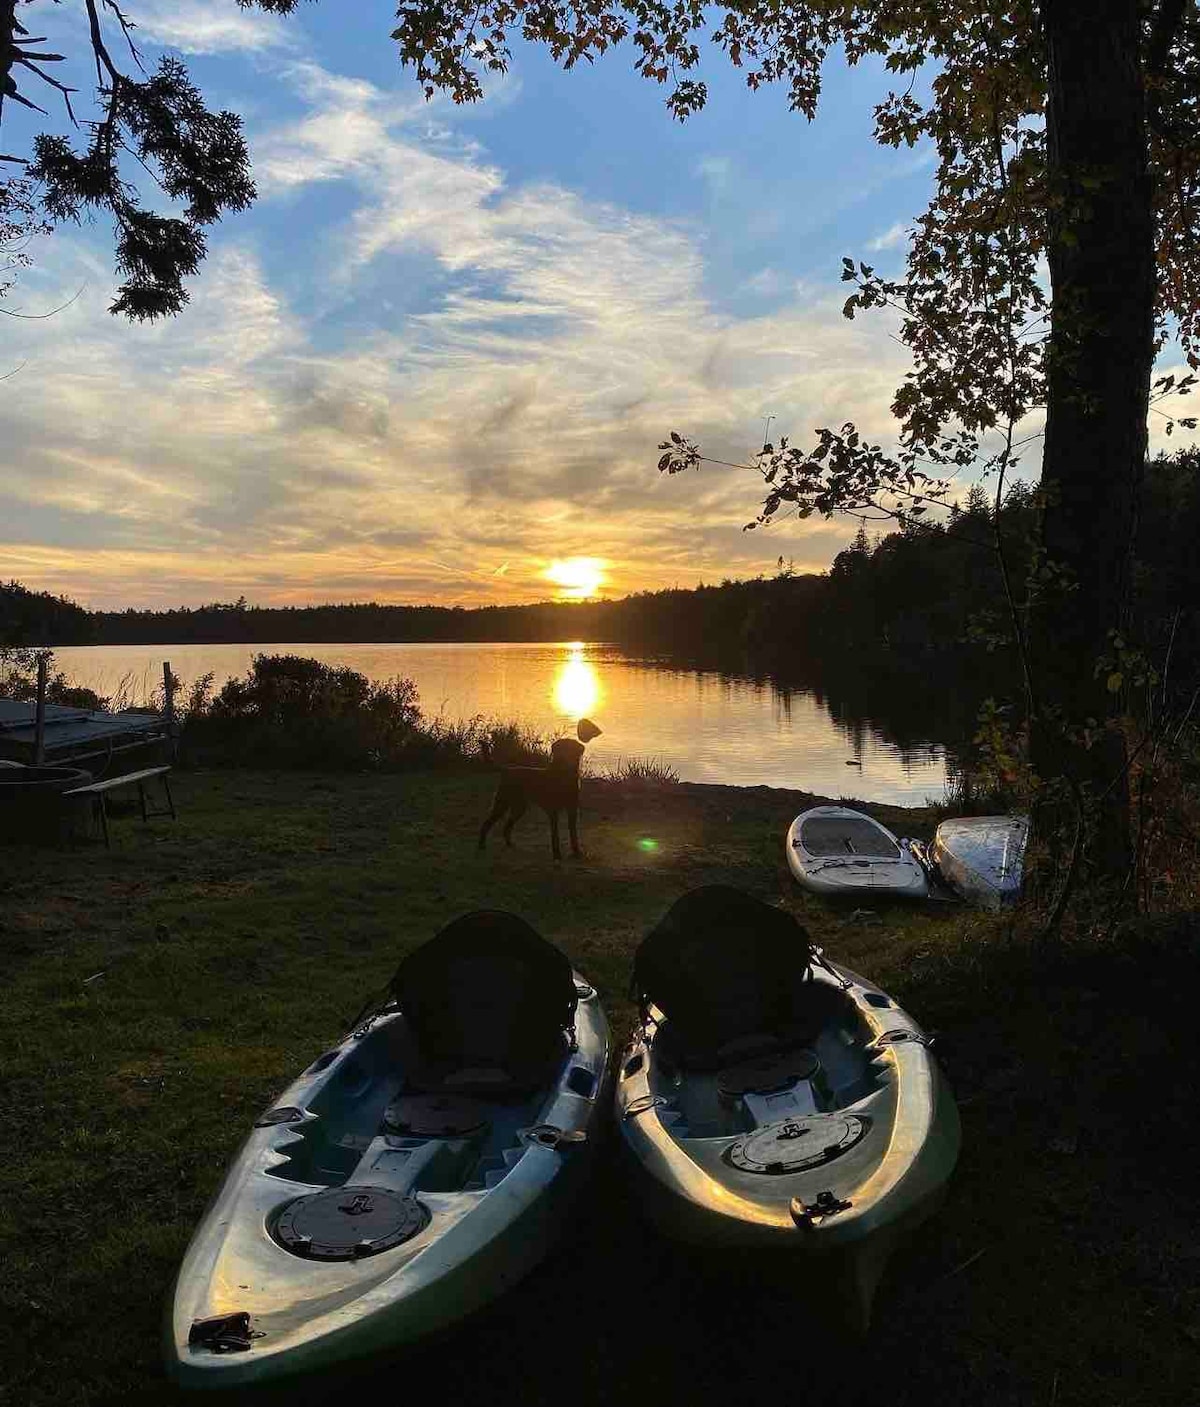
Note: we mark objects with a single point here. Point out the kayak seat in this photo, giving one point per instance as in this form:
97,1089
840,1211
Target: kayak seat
675,1045
488,1004
729,972
492,1082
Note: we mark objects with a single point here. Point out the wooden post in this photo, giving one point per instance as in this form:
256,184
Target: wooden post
39,724
169,705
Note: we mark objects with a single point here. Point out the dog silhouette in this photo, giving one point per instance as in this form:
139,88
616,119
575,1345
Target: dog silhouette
554,788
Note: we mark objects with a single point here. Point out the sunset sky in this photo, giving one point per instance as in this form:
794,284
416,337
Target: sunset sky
436,358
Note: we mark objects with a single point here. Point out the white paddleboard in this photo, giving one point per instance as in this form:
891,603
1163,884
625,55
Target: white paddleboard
834,850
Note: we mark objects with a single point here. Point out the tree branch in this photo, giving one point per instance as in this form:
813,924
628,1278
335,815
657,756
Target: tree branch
38,317
127,27
99,48
53,82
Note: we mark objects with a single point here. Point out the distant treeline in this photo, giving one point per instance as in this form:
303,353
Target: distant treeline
37,618
368,622
927,590
660,619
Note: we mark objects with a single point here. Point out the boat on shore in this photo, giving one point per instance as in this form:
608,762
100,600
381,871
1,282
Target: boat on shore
982,858
411,1174
772,1100
834,850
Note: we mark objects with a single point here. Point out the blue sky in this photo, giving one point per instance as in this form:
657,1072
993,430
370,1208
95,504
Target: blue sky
439,353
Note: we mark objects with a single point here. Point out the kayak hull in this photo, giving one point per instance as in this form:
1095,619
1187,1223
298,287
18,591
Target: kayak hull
826,866
686,1148
494,1199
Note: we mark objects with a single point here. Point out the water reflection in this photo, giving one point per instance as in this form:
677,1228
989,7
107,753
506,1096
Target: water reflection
577,689
713,721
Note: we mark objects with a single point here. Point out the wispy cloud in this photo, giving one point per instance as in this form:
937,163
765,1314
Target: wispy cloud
891,238
203,27
715,171
774,283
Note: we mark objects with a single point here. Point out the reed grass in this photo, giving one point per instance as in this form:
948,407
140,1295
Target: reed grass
640,772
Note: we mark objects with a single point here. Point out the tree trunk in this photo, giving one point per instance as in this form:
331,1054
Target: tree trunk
1100,357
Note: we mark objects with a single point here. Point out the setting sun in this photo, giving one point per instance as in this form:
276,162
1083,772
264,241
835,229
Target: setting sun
577,577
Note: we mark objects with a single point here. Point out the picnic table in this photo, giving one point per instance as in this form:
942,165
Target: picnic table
99,791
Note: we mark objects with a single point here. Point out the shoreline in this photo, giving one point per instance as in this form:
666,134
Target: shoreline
719,796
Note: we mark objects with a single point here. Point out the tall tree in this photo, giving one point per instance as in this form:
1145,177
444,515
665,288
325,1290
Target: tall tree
1066,133
1100,251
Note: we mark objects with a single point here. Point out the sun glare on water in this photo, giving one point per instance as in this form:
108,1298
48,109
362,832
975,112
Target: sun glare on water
576,577
576,685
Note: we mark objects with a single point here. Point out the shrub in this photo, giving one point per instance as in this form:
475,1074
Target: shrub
289,711
18,680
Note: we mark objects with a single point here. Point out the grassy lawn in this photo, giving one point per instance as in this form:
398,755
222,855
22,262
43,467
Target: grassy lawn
156,995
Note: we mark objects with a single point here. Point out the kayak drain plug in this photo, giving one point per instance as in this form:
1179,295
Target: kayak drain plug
551,1136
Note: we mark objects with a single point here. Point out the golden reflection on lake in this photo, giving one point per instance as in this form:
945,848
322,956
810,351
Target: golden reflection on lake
710,727
577,691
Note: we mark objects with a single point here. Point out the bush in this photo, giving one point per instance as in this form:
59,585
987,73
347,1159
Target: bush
18,680
289,688
293,712
289,711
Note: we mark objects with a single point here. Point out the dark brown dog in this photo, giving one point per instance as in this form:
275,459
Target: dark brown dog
554,789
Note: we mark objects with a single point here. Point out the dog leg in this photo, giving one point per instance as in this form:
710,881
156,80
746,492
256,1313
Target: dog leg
516,809
555,847
499,807
573,829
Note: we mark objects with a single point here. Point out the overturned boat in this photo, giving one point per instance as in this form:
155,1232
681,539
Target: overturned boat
834,850
770,1099
411,1173
982,858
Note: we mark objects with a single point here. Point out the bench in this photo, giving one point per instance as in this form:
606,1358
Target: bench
98,791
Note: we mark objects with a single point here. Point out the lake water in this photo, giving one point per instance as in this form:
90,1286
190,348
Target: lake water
710,726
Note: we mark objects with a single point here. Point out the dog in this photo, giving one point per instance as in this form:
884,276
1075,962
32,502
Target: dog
554,789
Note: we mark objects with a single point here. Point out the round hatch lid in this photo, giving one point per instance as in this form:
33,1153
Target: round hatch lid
346,1223
796,1144
435,1115
768,1072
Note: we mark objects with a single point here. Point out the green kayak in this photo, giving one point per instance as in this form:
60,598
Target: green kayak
770,1099
411,1173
